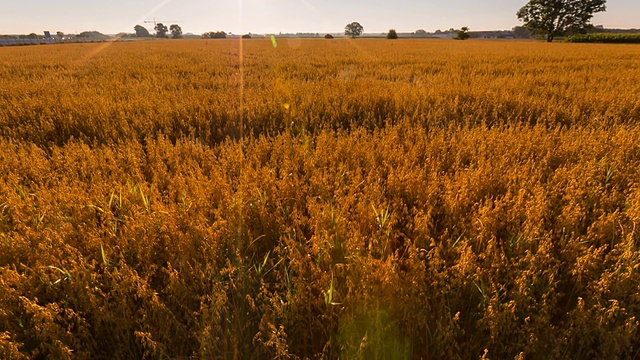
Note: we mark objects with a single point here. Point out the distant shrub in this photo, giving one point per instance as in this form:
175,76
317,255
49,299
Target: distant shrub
605,38
392,34
246,36
92,34
462,34
328,36
215,35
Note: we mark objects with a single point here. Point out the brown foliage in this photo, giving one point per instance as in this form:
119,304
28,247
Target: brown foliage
426,200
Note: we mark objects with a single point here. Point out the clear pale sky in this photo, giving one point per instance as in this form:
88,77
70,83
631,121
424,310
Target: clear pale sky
275,16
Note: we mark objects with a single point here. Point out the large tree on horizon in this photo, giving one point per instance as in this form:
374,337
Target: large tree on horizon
551,18
354,29
176,31
161,30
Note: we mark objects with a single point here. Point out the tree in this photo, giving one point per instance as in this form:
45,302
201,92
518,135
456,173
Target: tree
551,18
161,30
392,34
354,29
328,36
462,34
60,35
215,35
141,31
176,31
520,32
421,33
92,35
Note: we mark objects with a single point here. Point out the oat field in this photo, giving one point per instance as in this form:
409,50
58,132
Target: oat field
322,199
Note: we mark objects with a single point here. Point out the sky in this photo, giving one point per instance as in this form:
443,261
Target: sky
279,16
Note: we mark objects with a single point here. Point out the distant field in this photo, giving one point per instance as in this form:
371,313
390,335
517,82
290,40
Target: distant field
320,199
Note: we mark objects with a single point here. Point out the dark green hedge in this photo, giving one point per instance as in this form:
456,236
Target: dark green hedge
605,38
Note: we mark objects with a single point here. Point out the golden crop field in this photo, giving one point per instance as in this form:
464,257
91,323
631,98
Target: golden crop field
322,199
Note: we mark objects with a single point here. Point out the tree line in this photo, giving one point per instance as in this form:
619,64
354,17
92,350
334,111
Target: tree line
162,31
547,19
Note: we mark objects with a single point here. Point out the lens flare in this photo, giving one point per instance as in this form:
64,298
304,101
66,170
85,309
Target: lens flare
93,53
